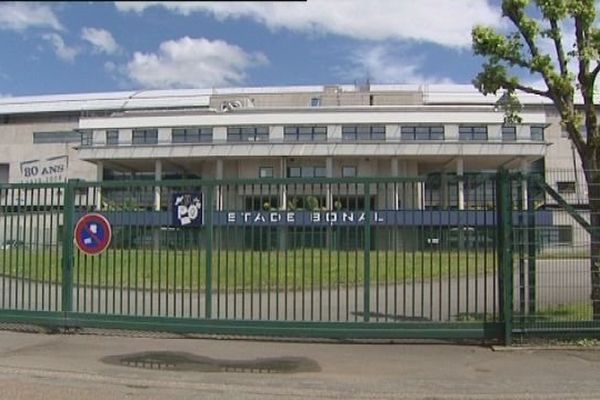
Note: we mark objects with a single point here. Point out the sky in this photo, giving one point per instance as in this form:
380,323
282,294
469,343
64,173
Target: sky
80,47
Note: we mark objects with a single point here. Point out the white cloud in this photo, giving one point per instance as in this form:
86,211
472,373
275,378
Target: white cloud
379,64
61,50
23,15
444,22
192,62
101,39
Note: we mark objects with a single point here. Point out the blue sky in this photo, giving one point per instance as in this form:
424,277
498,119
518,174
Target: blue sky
96,47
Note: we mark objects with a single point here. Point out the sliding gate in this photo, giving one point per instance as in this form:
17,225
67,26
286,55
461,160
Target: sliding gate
341,258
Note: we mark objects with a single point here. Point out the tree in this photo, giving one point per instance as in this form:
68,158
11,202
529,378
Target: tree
568,63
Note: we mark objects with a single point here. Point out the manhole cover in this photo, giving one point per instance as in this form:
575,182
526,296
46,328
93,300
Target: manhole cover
177,361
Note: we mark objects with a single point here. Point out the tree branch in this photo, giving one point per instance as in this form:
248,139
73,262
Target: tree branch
531,90
560,51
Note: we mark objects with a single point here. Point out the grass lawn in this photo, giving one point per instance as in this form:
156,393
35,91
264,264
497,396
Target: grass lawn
293,269
564,312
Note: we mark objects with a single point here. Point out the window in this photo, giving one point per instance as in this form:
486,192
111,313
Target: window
537,133
509,133
472,133
294,172
56,137
348,171
87,138
112,137
191,135
145,136
363,132
565,187
265,172
315,102
307,172
4,173
248,134
305,133
565,234
422,132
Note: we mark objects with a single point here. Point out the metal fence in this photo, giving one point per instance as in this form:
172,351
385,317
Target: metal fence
552,264
428,257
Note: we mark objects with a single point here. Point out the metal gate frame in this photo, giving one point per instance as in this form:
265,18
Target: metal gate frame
67,317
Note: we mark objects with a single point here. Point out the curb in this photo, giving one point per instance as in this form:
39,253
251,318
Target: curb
542,348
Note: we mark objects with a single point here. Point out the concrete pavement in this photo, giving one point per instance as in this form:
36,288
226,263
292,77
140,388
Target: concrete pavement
39,366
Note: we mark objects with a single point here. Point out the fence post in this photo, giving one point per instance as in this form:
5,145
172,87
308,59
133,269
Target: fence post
532,249
208,212
68,246
367,256
505,261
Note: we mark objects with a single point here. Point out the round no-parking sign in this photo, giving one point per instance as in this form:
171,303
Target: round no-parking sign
92,233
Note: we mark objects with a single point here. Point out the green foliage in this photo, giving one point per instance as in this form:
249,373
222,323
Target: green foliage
564,68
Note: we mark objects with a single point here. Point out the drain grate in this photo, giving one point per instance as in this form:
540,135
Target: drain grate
178,361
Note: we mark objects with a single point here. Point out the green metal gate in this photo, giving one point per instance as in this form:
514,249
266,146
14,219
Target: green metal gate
339,258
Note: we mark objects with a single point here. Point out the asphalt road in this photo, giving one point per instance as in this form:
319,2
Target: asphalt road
38,366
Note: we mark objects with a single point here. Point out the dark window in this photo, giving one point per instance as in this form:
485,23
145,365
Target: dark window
363,132
509,133
565,187
112,137
305,133
248,134
4,173
565,234
348,171
87,138
315,102
265,172
472,133
191,135
307,172
537,133
421,132
145,136
56,137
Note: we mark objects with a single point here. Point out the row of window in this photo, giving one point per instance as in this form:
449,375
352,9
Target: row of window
308,172
301,134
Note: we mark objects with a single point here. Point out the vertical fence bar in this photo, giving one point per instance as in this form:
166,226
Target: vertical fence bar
504,224
67,245
367,258
531,250
208,207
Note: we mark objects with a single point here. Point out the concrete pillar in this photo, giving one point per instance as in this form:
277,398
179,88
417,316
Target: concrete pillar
394,173
157,178
329,174
494,133
283,188
276,133
334,133
451,133
392,133
524,170
126,136
461,184
219,134
99,176
219,176
164,135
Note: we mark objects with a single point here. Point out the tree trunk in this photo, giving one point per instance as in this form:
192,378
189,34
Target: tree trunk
593,184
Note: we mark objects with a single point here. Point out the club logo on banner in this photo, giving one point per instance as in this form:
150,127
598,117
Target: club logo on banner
187,209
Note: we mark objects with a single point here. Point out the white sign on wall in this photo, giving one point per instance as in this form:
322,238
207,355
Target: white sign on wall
52,169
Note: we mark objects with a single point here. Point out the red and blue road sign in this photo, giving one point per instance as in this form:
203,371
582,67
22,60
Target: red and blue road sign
92,233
